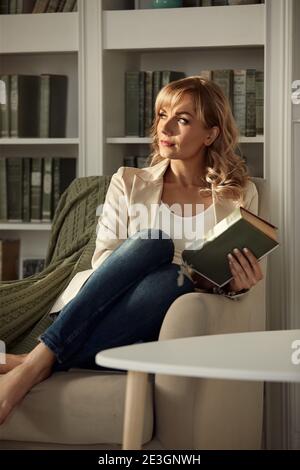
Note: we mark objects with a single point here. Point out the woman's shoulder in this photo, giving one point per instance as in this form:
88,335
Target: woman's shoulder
250,190
128,172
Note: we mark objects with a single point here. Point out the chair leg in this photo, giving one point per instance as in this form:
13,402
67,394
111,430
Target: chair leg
136,389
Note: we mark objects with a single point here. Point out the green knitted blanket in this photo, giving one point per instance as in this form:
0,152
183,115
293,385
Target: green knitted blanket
25,304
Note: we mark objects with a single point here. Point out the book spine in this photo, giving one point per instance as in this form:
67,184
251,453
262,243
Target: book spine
251,103
40,6
5,107
142,79
15,189
44,106
10,257
148,101
52,7
58,105
12,7
224,78
132,103
47,190
14,98
3,190
129,160
36,189
26,188
156,86
68,6
259,102
239,99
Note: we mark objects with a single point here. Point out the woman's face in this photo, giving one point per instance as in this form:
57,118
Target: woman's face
180,133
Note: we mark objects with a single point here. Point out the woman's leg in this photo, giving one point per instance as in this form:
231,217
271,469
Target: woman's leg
126,266
136,316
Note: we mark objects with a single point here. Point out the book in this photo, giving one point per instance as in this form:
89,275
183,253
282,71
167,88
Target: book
32,266
241,229
52,105
9,260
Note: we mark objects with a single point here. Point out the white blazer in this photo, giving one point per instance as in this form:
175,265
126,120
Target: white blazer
136,186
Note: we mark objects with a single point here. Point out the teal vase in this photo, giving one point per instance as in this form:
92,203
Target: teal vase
167,3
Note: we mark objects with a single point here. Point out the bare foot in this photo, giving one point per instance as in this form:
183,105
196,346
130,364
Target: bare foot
12,361
17,383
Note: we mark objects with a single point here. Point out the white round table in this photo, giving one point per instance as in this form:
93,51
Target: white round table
261,356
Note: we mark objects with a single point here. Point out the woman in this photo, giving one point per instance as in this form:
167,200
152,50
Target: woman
134,276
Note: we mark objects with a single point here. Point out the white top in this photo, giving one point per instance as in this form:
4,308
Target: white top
186,231
263,355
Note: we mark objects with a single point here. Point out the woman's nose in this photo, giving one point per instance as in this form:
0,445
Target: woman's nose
167,128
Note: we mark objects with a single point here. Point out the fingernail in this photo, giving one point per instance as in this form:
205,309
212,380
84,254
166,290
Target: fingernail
245,250
230,256
236,250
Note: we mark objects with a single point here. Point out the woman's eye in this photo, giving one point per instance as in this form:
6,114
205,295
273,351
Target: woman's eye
182,120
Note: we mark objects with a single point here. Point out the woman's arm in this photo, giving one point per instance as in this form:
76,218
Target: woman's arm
112,223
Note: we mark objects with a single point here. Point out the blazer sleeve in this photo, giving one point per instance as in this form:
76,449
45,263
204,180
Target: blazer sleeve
113,220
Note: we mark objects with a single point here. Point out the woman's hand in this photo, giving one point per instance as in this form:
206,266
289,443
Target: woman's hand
245,269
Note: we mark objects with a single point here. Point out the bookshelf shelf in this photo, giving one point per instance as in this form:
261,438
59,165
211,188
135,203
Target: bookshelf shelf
57,32
184,28
146,140
12,141
22,226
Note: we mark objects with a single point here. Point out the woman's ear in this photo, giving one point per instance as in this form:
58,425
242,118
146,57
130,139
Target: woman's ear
213,134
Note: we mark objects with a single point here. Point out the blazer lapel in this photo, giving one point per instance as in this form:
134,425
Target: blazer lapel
147,189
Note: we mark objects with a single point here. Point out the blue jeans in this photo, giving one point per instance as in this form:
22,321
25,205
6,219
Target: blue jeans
123,302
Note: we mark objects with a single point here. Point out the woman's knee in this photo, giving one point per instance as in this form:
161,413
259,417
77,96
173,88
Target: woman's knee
155,238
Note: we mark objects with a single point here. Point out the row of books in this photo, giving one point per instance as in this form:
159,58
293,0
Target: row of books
141,89
10,262
243,87
12,7
33,105
136,161
146,4
30,188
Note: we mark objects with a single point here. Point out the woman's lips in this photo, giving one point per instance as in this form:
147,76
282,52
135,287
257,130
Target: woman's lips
166,144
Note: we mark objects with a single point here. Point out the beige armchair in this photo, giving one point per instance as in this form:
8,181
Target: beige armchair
85,409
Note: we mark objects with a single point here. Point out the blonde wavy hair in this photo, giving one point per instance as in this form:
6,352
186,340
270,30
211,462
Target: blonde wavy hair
226,172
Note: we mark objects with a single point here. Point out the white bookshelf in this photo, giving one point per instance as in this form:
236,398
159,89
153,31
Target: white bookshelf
19,226
33,33
184,27
36,141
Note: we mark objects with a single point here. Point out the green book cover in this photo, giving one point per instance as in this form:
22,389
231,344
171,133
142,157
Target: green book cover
240,229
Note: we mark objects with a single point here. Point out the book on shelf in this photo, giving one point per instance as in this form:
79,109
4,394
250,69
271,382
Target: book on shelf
245,90
32,266
53,105
30,188
146,4
136,161
5,106
241,229
9,260
33,105
24,102
14,185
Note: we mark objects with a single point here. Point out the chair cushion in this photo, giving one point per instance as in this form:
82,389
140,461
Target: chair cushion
75,407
